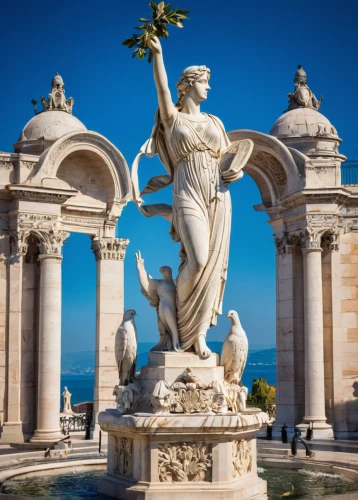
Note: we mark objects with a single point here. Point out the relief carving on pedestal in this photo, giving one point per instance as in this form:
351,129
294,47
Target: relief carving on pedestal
184,462
241,457
124,457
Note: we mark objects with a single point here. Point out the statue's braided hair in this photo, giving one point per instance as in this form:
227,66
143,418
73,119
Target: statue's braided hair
187,79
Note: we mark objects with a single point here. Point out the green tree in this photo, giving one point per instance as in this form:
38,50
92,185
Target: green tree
262,394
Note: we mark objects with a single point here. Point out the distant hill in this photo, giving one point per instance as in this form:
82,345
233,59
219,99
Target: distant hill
83,362
78,363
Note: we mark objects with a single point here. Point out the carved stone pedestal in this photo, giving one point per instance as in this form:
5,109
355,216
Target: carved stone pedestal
194,447
201,456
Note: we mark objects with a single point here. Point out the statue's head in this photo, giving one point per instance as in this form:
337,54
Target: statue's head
194,82
166,271
300,77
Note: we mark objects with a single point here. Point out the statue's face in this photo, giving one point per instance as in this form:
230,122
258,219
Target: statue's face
199,90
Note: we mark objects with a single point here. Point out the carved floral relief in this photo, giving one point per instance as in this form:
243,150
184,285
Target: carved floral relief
184,462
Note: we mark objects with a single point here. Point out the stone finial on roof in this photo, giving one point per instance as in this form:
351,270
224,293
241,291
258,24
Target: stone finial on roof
302,97
56,99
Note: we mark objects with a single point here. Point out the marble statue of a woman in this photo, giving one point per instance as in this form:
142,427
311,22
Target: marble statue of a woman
200,161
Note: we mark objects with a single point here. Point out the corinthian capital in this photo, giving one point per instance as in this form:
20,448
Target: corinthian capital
286,242
318,225
109,248
50,240
19,241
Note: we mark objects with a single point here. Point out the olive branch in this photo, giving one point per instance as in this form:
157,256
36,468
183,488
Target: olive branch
161,17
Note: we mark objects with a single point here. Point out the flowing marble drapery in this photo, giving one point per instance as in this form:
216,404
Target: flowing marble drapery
191,151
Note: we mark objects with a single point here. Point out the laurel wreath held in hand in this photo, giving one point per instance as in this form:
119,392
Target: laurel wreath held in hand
161,16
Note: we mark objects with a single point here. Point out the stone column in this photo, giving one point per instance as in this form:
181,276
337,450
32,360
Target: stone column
313,325
110,254
285,333
12,429
49,355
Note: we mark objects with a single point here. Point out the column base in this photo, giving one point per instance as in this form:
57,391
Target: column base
46,435
12,433
321,430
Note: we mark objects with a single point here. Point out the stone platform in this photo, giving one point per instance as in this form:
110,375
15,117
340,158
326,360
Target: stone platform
170,365
178,456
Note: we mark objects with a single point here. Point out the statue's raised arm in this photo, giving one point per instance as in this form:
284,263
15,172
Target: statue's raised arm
166,106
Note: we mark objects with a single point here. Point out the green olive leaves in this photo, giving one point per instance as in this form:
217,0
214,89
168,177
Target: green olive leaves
162,16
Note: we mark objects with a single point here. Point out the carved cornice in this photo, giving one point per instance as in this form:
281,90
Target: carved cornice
33,220
109,248
40,194
82,220
339,196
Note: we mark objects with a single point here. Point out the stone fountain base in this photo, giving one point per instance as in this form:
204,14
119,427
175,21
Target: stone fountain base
172,455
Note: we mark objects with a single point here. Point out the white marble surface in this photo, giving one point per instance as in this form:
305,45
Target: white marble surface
142,439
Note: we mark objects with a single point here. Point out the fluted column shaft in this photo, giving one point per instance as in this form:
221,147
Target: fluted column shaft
314,355
313,323
49,355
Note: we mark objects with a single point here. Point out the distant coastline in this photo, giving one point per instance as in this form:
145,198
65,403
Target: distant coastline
83,362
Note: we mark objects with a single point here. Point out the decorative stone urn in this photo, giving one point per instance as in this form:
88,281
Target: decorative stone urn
181,452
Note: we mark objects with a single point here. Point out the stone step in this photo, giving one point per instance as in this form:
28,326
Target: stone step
273,451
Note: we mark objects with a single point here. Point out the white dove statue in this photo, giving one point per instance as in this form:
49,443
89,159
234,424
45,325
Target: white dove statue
234,351
126,347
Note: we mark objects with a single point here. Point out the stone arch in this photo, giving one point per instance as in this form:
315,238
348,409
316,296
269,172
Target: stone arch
93,146
271,165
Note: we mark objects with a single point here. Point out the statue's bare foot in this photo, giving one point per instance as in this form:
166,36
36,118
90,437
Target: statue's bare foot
201,349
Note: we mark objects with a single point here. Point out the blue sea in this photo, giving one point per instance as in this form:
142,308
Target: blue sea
82,386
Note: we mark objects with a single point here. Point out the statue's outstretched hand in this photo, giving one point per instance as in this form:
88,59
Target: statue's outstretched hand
140,261
155,45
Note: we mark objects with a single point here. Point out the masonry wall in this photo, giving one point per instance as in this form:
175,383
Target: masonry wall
290,339
345,336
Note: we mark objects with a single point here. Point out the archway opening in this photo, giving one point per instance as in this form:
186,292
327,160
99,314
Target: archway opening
251,285
78,342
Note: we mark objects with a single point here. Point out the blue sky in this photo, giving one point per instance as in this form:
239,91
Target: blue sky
252,49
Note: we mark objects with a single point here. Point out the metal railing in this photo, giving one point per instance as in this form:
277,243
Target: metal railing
349,173
79,422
